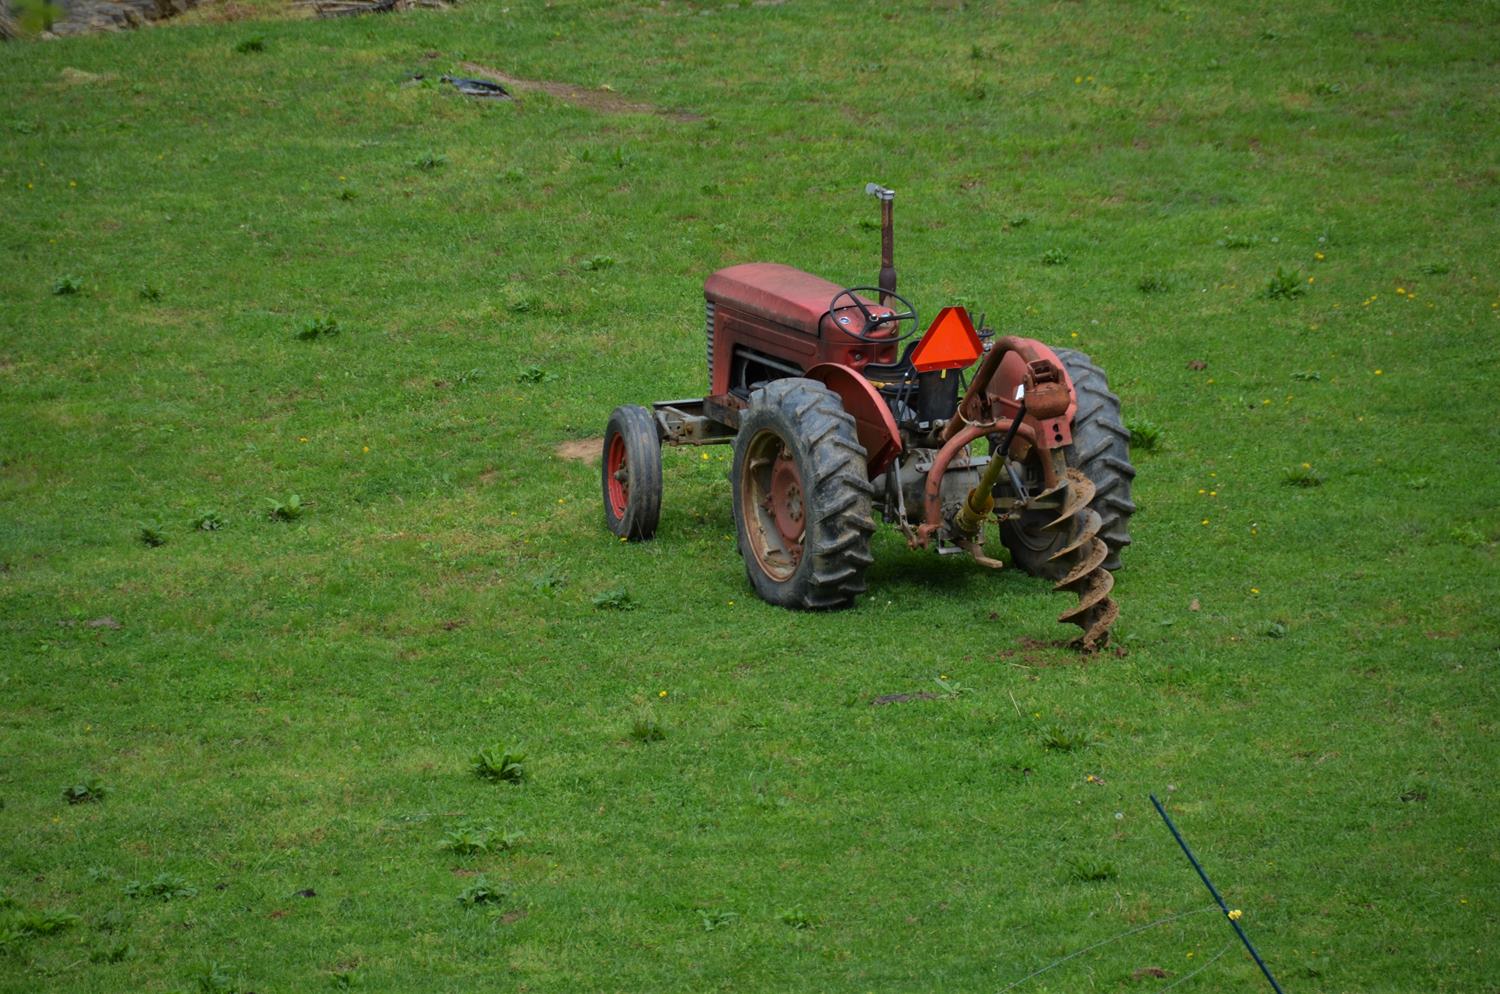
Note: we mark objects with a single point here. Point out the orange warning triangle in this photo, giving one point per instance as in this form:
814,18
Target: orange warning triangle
950,343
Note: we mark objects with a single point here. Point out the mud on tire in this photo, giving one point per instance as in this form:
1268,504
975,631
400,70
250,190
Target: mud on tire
801,497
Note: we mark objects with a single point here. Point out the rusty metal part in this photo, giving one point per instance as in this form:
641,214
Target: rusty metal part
887,200
873,422
932,518
1096,610
1046,399
686,422
771,493
975,549
1012,362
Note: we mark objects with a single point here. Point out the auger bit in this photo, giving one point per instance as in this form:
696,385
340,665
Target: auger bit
1086,577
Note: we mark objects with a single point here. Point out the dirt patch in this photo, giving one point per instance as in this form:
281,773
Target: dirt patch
902,698
79,77
603,100
581,449
1039,653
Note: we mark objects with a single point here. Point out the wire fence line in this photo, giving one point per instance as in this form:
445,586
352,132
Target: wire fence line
1116,938
1206,964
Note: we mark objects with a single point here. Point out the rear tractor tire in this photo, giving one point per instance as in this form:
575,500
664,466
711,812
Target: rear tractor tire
1101,451
1101,448
630,473
801,497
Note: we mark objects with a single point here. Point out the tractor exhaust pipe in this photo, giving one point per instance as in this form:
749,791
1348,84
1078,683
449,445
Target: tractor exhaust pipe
887,200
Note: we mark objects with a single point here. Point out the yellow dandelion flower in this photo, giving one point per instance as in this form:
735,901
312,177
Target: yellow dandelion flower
703,456
1235,915
1400,289
661,693
1202,491
1205,521
1213,493
1255,590
1319,256
1379,372
1312,279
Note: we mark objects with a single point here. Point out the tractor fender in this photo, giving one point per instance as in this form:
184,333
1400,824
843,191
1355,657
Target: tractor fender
1053,432
873,422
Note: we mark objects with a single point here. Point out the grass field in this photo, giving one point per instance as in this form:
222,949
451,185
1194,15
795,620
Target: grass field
245,261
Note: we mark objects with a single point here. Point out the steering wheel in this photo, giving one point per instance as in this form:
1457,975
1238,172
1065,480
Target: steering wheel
873,322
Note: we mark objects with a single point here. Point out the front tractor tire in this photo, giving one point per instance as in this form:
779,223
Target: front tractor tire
801,497
631,473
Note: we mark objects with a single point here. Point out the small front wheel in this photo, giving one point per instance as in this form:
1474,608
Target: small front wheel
631,473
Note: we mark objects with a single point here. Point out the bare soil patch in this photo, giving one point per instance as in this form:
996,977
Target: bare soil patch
581,449
604,101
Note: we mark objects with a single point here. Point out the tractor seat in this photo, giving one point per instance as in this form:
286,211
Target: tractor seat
894,372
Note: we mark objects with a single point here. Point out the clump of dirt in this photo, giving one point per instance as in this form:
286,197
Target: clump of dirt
581,449
603,100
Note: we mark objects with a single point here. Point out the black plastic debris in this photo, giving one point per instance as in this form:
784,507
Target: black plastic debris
478,88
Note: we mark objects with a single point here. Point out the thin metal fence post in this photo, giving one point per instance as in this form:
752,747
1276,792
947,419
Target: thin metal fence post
1232,919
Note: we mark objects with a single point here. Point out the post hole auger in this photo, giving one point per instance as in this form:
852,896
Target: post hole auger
838,410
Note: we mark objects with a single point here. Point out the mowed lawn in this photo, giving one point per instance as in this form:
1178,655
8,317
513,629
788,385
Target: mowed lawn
291,333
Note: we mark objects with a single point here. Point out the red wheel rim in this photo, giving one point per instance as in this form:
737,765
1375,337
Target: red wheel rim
774,506
617,476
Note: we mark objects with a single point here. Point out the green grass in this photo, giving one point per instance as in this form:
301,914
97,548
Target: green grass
229,276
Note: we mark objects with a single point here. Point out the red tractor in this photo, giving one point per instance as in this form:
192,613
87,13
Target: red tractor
838,412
